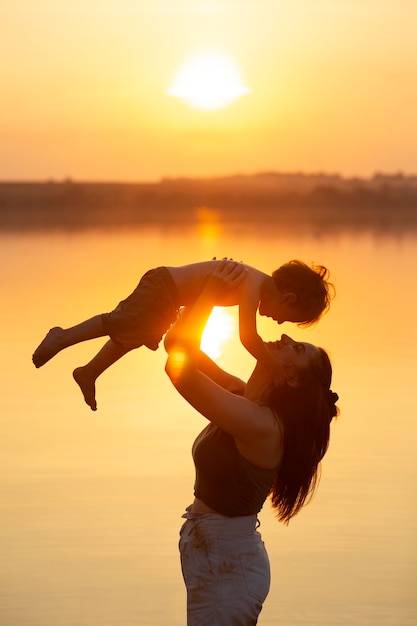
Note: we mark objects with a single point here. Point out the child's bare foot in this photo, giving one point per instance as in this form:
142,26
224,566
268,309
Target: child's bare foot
49,347
87,386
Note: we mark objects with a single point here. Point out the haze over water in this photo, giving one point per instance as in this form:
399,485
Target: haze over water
92,502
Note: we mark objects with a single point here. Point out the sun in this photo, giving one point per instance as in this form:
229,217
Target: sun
208,80
218,329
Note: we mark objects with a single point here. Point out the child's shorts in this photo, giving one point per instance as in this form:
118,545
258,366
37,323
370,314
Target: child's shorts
145,316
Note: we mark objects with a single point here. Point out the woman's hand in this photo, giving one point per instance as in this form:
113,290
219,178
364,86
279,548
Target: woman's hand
226,276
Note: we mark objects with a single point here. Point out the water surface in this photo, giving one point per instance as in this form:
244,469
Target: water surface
91,502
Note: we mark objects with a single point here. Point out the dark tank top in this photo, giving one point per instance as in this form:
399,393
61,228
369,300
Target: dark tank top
226,481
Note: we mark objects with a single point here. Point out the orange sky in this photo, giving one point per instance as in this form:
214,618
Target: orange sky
333,88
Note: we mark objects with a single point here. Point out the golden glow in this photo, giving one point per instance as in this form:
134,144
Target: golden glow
208,81
209,227
218,329
176,363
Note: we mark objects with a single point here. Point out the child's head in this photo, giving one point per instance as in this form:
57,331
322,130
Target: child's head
313,292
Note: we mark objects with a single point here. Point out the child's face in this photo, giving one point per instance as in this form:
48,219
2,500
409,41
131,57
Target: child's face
282,308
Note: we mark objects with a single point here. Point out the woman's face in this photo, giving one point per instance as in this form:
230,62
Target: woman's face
290,356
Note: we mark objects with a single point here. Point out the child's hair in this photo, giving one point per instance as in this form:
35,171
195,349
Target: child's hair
311,286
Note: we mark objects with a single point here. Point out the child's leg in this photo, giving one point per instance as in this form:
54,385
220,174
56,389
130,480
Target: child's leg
59,338
86,376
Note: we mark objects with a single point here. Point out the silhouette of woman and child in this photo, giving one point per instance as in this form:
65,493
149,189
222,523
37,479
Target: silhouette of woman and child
265,437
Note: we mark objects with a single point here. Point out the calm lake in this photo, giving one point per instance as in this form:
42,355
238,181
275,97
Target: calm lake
91,502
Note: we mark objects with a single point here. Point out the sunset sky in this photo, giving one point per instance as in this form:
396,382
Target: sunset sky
90,88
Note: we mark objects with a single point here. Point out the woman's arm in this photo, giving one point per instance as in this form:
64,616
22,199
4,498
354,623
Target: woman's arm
189,371
245,420
184,337
218,375
172,344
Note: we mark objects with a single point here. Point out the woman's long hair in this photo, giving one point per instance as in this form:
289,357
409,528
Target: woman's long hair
305,412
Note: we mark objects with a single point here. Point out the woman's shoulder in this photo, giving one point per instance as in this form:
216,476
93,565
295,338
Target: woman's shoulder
265,447
272,421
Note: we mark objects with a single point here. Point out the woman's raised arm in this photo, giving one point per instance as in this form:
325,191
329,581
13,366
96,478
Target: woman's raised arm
203,384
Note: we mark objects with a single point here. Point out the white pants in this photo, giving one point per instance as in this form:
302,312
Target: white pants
225,568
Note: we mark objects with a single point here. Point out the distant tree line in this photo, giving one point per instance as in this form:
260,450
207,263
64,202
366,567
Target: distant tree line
316,200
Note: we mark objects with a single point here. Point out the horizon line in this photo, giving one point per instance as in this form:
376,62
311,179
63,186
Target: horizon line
397,174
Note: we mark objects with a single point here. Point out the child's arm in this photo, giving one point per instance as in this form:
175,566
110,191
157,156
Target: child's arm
248,332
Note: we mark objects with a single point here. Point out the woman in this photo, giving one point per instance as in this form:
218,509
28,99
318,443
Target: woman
262,440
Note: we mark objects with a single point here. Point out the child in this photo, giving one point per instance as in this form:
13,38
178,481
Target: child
294,293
